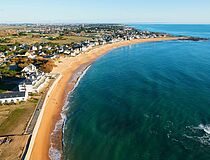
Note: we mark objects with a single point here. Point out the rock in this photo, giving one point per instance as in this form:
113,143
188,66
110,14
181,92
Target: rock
194,39
3,140
8,141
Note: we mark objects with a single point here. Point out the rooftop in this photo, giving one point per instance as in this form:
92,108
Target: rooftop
12,95
26,82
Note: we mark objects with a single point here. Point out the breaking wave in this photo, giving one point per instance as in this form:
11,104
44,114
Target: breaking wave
199,134
54,153
205,128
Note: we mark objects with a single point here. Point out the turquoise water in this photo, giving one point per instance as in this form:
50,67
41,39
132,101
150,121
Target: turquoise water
198,30
148,101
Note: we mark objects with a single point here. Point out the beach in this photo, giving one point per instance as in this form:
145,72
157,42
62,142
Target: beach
67,67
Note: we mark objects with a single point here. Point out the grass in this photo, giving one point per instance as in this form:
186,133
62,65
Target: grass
14,118
2,28
11,121
14,149
69,40
31,40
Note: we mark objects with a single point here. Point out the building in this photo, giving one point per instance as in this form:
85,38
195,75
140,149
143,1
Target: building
34,48
26,85
73,54
101,42
34,81
29,70
77,48
13,97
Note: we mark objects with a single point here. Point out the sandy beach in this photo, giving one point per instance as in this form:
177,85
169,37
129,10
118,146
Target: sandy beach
67,68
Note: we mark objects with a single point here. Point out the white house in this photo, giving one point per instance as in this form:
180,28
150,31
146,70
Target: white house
33,85
34,48
32,56
73,54
40,47
29,69
101,42
14,48
67,52
77,51
35,80
2,55
13,97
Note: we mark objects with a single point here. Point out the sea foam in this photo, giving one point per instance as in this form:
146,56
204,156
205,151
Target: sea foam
205,128
54,153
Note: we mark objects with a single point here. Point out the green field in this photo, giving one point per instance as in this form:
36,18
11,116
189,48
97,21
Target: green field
31,39
11,115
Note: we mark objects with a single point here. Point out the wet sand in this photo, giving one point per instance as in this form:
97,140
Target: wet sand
67,68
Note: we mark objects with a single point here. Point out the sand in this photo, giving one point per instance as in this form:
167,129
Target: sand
67,68
14,149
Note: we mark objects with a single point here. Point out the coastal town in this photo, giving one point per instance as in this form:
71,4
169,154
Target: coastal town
104,80
36,62
34,57
28,54
22,60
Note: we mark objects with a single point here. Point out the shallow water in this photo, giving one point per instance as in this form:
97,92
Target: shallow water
148,101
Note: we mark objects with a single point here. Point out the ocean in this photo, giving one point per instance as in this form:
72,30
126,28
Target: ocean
148,101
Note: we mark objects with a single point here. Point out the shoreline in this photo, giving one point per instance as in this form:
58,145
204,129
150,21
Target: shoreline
55,102
57,139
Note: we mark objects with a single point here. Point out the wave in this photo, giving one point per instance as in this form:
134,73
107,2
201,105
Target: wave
200,134
205,128
54,153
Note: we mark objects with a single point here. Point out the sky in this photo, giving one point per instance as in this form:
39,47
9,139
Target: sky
105,11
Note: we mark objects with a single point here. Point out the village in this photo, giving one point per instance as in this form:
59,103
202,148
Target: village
15,59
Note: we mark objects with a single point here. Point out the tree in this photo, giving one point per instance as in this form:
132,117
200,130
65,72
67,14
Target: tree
22,65
3,48
48,66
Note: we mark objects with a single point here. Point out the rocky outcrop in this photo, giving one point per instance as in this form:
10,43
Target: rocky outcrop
193,39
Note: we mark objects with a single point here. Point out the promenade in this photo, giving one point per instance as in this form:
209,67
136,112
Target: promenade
32,123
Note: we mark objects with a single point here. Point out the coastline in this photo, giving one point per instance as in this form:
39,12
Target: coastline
69,67
56,139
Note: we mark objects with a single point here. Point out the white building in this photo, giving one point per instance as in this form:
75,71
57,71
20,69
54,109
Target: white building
73,54
13,97
67,52
30,69
26,86
34,83
32,56
2,55
40,47
35,80
34,48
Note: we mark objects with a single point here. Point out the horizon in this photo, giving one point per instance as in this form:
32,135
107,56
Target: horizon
109,78
134,11
79,23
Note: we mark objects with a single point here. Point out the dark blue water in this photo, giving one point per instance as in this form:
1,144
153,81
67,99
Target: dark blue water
148,101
